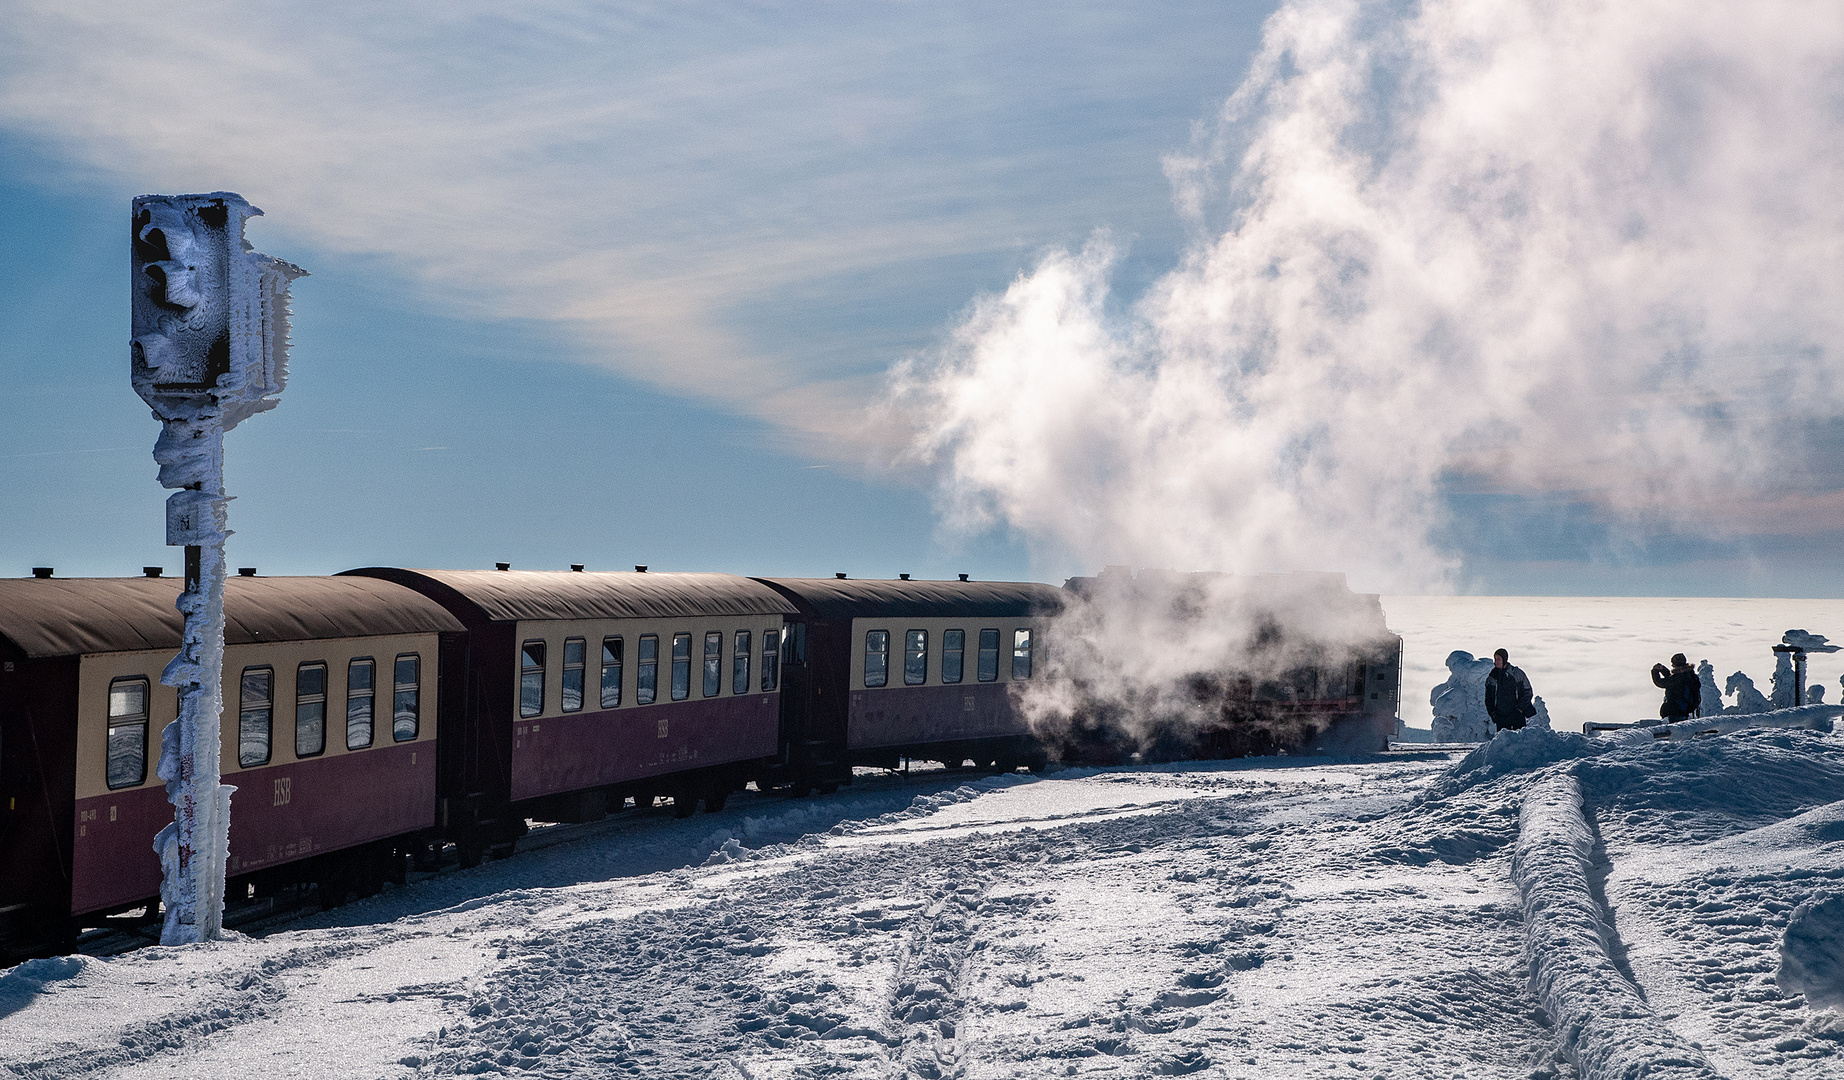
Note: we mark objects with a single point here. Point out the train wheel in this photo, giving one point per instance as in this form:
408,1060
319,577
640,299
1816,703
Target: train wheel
426,854
715,798
469,853
684,804
828,789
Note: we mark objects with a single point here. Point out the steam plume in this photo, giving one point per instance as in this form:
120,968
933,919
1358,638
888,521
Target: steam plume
1561,248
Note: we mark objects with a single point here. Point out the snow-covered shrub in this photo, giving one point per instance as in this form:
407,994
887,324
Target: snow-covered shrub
1748,700
1459,703
1711,698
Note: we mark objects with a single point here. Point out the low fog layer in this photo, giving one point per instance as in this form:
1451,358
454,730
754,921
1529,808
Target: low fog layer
1591,657
1572,250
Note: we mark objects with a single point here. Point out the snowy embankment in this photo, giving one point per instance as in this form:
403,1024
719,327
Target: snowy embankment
1809,717
1604,1023
1551,907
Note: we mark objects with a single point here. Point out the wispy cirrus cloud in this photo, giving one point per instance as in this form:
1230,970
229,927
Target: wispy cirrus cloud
648,177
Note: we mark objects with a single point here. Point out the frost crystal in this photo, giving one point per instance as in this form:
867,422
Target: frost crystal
210,348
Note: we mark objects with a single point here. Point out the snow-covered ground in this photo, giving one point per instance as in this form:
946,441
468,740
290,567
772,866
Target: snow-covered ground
1289,917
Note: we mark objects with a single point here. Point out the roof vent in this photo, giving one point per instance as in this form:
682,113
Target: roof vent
963,577
502,566
840,575
905,577
246,571
576,567
640,568
153,571
41,571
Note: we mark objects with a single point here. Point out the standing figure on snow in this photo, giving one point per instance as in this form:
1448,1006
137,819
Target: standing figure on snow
1683,689
1507,694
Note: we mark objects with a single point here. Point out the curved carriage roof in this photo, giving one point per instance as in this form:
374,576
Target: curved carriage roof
835,598
74,616
507,595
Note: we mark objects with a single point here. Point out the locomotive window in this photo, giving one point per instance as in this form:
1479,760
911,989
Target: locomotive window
531,679
989,656
1021,654
876,657
575,656
647,685
405,706
127,760
713,663
681,666
915,657
739,664
310,709
611,672
360,692
953,652
771,660
254,712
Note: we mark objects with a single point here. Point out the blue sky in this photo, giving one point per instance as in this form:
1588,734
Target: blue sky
618,283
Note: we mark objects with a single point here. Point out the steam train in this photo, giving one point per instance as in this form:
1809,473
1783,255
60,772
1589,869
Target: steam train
474,701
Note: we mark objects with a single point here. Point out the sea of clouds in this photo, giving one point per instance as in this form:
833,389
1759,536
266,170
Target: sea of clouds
1590,657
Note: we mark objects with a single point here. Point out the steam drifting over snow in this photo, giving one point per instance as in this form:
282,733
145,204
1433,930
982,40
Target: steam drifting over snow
1523,246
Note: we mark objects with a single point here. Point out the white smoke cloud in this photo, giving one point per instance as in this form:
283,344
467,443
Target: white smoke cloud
1559,247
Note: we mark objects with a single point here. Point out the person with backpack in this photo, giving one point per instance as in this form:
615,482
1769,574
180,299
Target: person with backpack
1683,689
1508,697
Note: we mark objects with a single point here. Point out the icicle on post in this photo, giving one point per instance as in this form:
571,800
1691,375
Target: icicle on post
210,347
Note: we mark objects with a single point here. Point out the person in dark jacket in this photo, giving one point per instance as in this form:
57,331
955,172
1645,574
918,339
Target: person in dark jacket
1508,698
1683,689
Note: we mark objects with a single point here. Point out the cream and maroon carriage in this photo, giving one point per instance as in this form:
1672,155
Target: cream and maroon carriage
329,699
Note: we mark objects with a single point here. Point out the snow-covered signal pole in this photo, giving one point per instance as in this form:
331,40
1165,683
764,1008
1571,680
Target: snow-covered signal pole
210,319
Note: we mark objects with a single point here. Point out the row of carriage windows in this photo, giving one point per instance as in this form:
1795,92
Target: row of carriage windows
128,713
953,656
646,674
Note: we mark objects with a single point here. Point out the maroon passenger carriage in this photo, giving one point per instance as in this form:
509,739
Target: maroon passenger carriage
329,687
575,690
880,671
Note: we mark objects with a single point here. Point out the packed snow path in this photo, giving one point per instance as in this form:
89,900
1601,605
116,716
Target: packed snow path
1272,918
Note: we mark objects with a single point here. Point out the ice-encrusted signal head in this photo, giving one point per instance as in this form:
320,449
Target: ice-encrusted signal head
210,316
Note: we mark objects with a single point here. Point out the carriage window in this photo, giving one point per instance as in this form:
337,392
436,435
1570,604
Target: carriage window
405,706
310,709
254,711
915,657
647,685
531,679
681,666
611,672
739,664
1021,654
127,761
771,660
713,663
360,691
953,651
989,655
876,657
575,656
794,644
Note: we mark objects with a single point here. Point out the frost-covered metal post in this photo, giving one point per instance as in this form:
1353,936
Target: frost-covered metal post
210,319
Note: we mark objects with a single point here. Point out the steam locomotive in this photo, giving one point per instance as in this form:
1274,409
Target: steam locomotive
372,718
